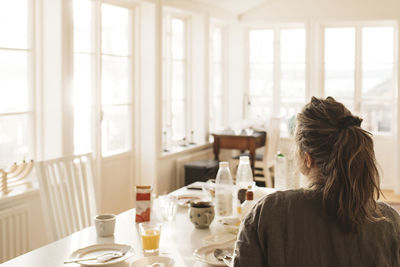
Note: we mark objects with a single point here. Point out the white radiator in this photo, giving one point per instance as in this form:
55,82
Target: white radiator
180,162
14,232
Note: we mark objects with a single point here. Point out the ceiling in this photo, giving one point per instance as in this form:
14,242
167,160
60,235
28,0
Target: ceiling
234,6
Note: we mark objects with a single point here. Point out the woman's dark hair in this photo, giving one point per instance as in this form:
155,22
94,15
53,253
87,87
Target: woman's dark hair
343,154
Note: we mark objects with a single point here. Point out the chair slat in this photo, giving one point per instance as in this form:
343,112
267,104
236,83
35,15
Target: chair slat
72,197
67,194
64,197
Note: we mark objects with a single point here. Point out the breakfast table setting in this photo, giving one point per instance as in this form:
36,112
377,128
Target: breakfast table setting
183,231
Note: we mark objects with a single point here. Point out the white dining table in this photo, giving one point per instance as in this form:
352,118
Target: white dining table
179,239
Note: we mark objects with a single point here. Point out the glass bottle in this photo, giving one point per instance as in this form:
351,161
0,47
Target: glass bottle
244,175
223,190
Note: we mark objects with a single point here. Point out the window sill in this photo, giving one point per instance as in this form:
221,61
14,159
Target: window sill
20,192
178,150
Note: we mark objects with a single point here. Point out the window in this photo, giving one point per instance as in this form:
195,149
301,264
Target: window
359,71
175,89
17,129
277,66
102,82
217,85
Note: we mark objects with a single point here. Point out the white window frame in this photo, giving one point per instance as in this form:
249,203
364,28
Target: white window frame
357,99
31,81
97,53
224,72
166,109
276,28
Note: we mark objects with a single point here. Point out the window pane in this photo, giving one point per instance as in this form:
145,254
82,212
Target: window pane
115,30
178,120
340,45
217,45
82,80
82,130
216,114
115,82
377,116
14,24
293,46
288,112
13,81
82,103
116,130
339,81
217,80
260,108
261,46
14,139
293,80
82,25
377,45
178,80
377,80
178,39
261,80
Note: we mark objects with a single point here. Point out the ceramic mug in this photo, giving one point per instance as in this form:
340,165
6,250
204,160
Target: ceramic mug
105,224
201,214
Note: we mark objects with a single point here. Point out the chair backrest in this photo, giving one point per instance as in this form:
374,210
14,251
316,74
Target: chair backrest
273,134
67,194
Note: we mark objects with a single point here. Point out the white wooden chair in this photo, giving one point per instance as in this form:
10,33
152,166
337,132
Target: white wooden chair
67,194
271,148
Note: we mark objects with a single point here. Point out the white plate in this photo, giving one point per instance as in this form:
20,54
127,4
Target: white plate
230,224
206,254
221,237
146,261
185,199
97,250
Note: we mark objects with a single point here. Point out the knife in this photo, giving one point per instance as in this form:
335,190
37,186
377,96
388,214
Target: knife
104,257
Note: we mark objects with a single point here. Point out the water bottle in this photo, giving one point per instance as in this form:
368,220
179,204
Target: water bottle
244,175
223,190
281,178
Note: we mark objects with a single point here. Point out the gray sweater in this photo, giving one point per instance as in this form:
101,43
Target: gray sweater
289,229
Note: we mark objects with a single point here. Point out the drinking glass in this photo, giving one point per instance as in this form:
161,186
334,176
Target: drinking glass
169,206
150,234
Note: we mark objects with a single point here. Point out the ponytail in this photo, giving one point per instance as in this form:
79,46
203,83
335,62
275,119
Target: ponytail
343,152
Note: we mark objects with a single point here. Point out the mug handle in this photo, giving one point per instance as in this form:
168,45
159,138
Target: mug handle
208,218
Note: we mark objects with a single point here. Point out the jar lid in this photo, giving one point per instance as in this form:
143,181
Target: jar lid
143,187
223,164
249,195
244,158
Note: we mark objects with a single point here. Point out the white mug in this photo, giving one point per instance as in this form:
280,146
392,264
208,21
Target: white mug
105,224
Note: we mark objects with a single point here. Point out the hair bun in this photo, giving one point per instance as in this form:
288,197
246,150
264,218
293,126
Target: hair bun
349,121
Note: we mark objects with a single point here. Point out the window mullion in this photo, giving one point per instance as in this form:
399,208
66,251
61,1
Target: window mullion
97,63
188,81
358,73
277,73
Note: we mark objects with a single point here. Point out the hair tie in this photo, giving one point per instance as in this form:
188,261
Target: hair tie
349,121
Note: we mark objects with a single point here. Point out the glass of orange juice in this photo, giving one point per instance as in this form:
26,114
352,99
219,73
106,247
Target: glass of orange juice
150,234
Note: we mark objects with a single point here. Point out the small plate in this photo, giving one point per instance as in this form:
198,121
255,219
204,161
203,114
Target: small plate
186,199
219,238
97,250
230,224
146,261
206,254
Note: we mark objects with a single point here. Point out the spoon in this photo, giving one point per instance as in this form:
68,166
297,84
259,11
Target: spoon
220,254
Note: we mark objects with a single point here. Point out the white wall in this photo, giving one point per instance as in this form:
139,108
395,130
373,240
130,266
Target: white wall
236,71
323,9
